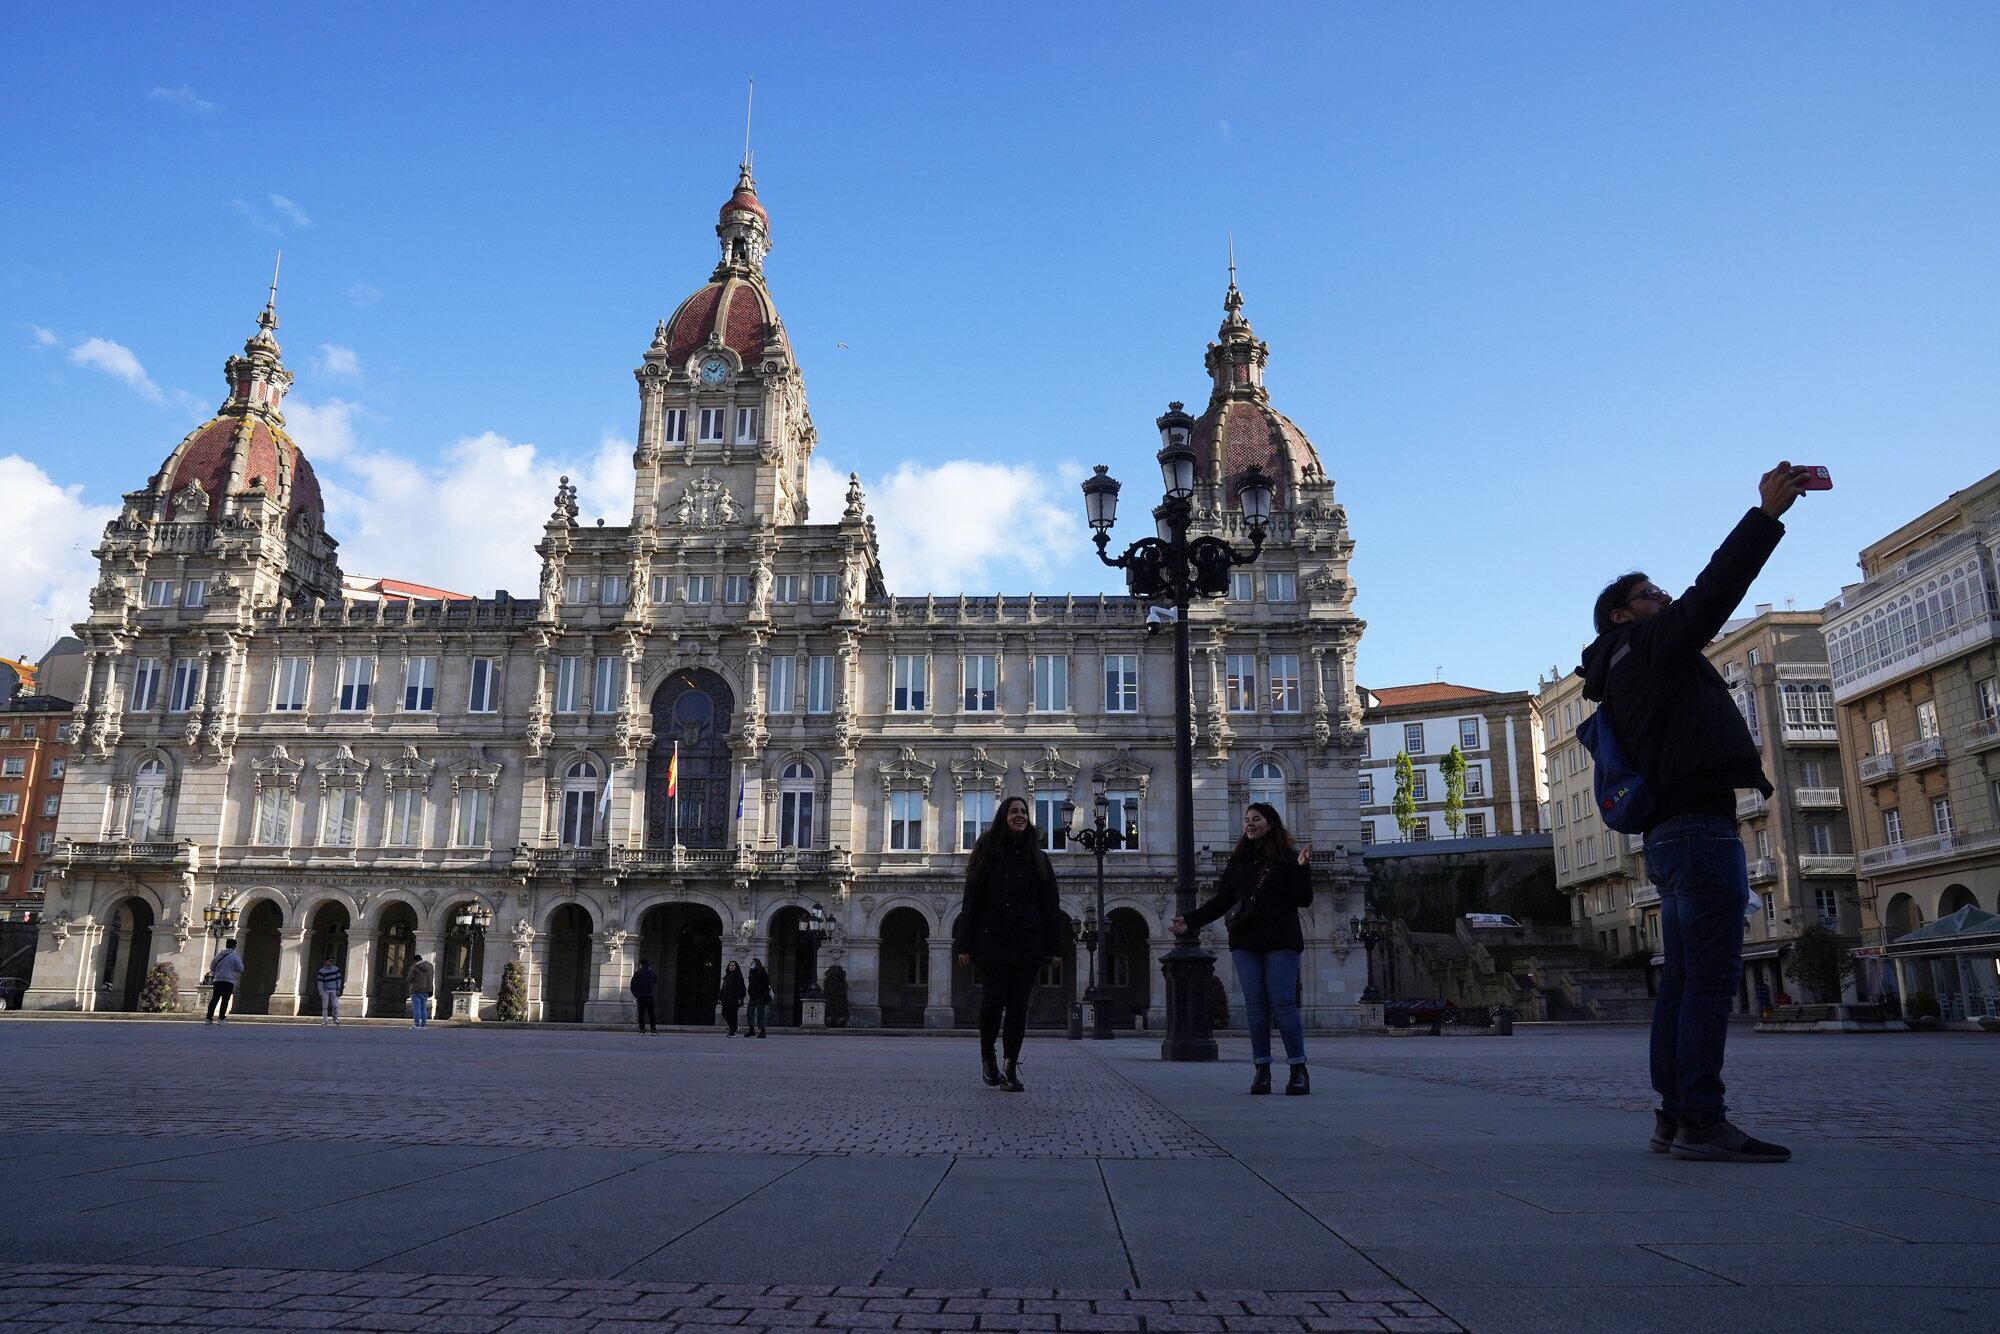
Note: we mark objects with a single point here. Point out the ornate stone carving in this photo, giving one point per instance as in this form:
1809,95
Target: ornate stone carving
1122,770
908,770
705,503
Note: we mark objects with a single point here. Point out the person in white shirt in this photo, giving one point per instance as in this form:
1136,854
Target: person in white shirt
223,975
329,991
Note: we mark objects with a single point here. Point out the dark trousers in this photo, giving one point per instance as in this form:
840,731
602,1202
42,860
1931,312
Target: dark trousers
1003,1007
1697,863
218,999
647,1014
729,1017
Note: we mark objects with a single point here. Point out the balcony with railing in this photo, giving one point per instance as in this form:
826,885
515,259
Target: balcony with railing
684,860
1645,896
1762,869
1817,799
1877,768
1923,754
129,853
1982,735
1934,848
1826,863
1749,804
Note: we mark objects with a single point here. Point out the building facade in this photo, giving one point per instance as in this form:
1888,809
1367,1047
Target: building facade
34,761
1916,679
1500,736
1614,905
706,722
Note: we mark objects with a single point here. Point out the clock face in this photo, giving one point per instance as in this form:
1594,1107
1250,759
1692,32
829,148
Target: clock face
714,370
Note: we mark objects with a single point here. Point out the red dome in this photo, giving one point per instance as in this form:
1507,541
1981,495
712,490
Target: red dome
745,199
270,460
738,308
1237,433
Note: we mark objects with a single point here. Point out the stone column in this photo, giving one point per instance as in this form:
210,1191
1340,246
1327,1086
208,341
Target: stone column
357,985
293,966
66,962
538,967
937,1004
610,1002
864,981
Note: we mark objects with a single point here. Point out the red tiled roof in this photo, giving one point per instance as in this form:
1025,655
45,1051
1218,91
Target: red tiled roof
1431,692
746,199
1252,433
204,456
741,308
401,588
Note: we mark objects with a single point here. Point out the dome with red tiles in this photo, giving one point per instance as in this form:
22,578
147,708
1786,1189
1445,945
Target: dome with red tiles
735,312
1241,429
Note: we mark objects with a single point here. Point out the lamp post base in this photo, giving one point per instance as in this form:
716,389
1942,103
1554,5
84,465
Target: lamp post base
1190,1036
1098,1004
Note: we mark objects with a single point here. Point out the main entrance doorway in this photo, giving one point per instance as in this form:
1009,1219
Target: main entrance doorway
263,931
685,942
327,939
566,985
128,953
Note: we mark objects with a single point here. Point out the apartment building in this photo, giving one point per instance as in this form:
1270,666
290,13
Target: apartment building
34,754
1499,734
1615,906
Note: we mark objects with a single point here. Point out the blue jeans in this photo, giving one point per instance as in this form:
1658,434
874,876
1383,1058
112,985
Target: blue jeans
420,1010
1697,863
1270,985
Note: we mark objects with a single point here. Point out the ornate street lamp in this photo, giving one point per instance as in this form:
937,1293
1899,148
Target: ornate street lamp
1171,569
1370,931
220,919
812,934
469,927
1099,840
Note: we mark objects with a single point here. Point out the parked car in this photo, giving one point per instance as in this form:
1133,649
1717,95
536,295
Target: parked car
1489,920
1431,1010
11,991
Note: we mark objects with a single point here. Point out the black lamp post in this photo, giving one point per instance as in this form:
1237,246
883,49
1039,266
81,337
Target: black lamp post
1099,840
220,919
812,934
1173,570
469,926
1370,930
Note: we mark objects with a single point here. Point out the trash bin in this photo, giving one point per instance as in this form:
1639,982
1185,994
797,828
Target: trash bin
1503,1021
1076,1022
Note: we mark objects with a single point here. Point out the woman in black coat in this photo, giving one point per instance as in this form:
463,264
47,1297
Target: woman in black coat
759,1025
1010,925
1262,889
733,992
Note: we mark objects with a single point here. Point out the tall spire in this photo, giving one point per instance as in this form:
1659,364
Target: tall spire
257,377
1235,360
749,99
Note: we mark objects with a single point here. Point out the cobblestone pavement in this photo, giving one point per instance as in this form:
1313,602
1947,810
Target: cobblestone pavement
188,1299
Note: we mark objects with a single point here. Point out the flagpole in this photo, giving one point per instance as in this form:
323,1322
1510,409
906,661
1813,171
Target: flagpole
674,791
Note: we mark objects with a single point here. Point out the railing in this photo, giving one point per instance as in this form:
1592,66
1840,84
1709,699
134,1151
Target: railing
1935,847
568,861
1826,863
1920,754
1645,896
124,852
1811,734
1804,671
1983,735
181,536
1875,768
1749,804
1817,799
1763,868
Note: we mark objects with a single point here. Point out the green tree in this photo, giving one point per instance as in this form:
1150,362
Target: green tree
162,992
1821,962
1406,793
513,1006
1453,768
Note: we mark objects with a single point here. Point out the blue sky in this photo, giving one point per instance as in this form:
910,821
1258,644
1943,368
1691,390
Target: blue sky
1548,285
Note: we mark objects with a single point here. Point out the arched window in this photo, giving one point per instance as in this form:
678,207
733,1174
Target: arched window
579,805
149,803
1267,784
795,806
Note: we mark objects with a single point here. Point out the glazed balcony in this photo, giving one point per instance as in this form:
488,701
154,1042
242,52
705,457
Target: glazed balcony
1935,848
1826,863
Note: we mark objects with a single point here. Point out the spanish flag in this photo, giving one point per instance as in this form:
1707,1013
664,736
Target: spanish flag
674,772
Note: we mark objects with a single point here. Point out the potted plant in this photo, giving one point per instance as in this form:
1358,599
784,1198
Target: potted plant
835,988
162,992
1923,1013
512,1007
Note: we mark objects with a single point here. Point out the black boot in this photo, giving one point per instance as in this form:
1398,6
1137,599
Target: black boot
1260,1082
989,1068
1012,1080
1298,1084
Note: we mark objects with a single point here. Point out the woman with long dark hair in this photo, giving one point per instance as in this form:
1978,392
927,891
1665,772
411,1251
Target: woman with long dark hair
1261,890
1010,925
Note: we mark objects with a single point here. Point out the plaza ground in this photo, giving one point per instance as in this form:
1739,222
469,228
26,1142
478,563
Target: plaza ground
289,1176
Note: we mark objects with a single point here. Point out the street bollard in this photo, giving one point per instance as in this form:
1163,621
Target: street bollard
1503,1021
1076,1022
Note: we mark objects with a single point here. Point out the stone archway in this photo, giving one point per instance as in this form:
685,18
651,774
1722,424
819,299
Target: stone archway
1125,967
686,940
1902,916
395,948
262,944
1954,898
790,965
567,978
128,953
693,709
905,970
326,939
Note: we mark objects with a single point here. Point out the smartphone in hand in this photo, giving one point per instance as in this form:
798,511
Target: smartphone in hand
1816,478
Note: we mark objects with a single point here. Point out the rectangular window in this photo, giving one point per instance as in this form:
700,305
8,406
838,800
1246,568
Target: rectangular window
474,811
1809,773
44,842
579,817
1242,586
735,589
357,679
1475,825
1562,858
337,812
1239,685
1413,738
288,687
784,673
1281,586
1941,814
576,590
975,812
406,817
1124,817
569,684
1826,906
1590,848
1763,843
604,686
195,594
160,593
795,819
50,805
484,694
785,588
700,588
1121,683
274,818
711,426
14,766
676,427
1892,826
1367,742
746,426
10,803
912,678
1048,820
612,589
1468,734
1420,832
1819,839
1051,683
1285,693
662,589
981,673
1989,697
819,683
186,688
1475,780
1368,789
419,685
1420,785
1878,736
1756,656
906,821
1927,722
825,588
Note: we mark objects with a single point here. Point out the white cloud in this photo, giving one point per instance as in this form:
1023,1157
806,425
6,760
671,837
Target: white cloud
251,215
46,568
43,337
958,526
325,431
116,360
337,362
291,210
363,294
182,98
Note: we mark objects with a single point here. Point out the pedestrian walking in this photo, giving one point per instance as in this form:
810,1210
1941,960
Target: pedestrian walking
1011,924
223,976
1665,707
759,991
420,978
733,992
1258,896
329,979
644,982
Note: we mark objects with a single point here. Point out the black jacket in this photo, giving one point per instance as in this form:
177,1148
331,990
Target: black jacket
644,981
733,989
1274,925
760,985
1012,914
1668,706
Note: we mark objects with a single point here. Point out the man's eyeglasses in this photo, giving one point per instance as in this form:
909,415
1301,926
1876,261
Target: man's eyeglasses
1651,595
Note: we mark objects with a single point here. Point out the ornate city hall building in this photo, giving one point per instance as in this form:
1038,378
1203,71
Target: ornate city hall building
705,722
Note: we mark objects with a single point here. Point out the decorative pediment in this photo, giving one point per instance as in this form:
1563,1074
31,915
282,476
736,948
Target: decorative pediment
1123,771
1051,772
705,503
406,770
191,502
906,770
278,770
475,770
343,770
980,769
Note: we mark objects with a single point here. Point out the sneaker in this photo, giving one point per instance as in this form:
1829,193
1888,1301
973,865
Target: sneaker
1665,1125
1720,1142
